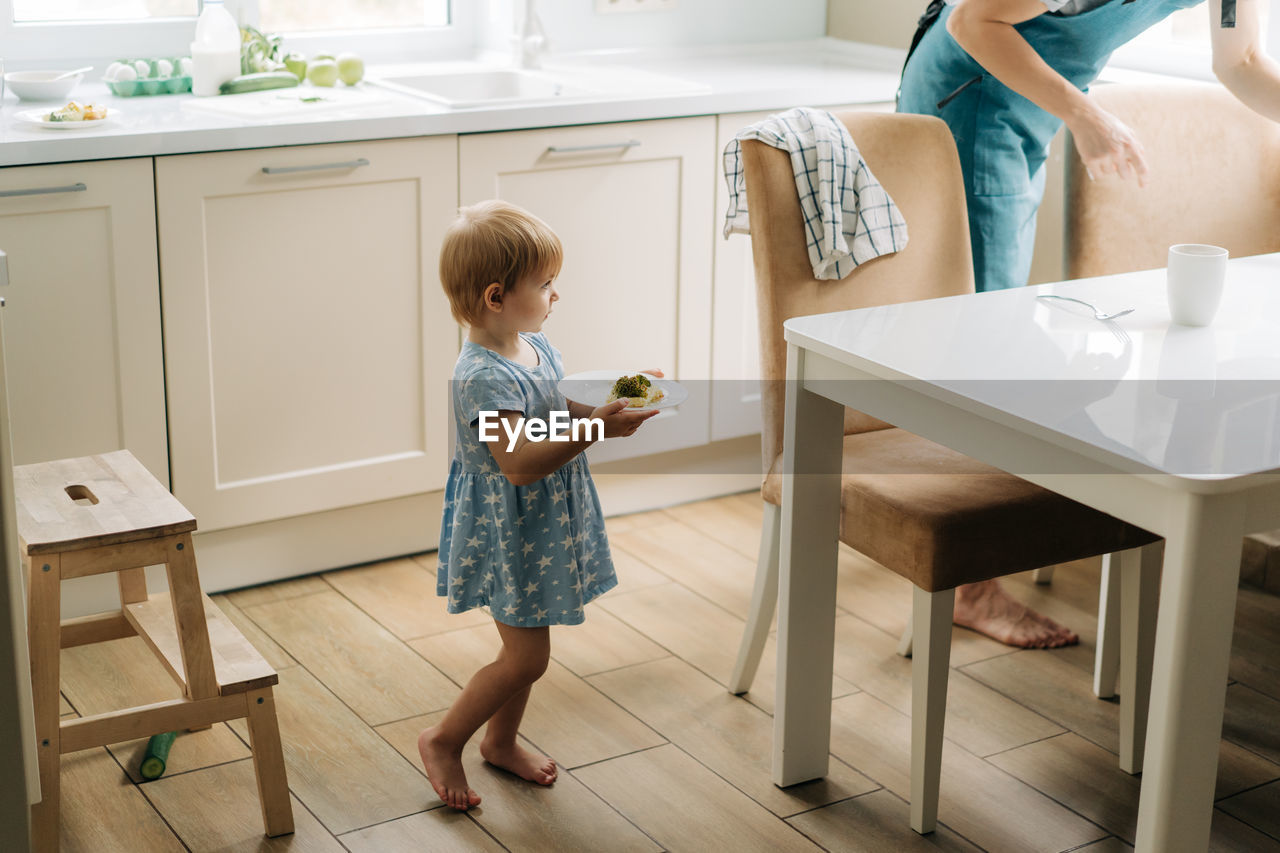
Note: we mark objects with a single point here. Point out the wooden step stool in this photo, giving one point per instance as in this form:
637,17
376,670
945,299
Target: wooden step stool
97,514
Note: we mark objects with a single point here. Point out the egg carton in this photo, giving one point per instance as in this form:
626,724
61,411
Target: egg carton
150,85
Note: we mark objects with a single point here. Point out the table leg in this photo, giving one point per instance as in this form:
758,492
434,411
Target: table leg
1140,588
1106,659
812,453
1189,678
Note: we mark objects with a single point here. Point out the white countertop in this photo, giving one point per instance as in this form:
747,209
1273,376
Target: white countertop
686,82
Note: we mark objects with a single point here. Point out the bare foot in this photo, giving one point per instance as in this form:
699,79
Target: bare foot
520,761
444,771
986,608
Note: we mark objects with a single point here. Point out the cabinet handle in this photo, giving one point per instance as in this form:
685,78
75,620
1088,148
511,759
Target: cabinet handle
284,170
70,188
565,149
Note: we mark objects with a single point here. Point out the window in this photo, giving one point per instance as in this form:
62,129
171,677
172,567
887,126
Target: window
50,33
1184,28
26,11
54,32
1180,44
309,15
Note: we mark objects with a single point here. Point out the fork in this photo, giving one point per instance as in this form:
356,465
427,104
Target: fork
1097,315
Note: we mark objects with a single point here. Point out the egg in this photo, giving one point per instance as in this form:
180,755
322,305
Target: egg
142,68
184,66
112,71
126,74
164,68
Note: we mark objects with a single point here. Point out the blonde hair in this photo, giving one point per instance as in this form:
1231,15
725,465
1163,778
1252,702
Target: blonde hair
493,241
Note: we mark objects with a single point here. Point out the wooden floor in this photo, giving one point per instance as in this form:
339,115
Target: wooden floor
656,754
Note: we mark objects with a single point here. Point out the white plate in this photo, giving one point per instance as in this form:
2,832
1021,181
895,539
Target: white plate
37,117
592,388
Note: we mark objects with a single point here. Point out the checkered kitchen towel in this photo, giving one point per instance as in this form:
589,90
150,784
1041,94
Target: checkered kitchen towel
848,216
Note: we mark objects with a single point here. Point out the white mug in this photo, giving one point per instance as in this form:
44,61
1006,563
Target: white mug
1196,276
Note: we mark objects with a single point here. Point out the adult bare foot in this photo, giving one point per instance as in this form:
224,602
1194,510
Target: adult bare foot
520,761
444,771
986,608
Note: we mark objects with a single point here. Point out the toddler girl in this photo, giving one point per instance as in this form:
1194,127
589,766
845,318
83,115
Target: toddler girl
522,532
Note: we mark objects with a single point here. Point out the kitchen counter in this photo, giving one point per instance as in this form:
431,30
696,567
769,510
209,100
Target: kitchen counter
668,84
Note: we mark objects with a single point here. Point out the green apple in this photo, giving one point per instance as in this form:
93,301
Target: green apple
297,63
350,68
322,72
323,56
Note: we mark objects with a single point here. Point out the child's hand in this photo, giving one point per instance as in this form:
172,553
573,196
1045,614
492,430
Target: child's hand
618,421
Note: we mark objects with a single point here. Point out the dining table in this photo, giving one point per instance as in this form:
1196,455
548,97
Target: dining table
1172,428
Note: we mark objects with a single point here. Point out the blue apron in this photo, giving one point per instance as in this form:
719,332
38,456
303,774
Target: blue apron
1003,138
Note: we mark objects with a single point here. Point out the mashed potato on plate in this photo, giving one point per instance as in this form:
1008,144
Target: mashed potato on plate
78,112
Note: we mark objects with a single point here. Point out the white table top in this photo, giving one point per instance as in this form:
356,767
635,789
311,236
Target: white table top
1149,396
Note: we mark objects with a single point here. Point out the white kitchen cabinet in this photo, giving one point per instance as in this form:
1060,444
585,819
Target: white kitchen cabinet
735,355
308,344
631,203
85,369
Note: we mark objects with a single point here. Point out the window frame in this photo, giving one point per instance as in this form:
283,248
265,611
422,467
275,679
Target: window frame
57,42
455,40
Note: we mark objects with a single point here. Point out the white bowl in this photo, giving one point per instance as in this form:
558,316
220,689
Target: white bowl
40,85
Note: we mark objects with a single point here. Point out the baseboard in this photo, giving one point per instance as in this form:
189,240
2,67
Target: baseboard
696,474
262,553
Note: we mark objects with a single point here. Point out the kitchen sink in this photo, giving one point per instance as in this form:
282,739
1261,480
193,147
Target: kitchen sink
463,89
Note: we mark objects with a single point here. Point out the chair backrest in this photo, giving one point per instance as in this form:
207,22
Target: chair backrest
1214,166
914,158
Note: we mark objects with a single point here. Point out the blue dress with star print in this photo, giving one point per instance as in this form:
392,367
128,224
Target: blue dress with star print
534,555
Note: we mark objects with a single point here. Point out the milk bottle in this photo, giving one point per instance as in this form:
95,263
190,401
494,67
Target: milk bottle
215,54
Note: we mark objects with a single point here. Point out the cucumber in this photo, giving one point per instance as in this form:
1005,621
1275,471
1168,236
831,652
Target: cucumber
156,756
258,82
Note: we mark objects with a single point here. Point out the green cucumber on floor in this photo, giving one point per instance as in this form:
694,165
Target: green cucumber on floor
156,756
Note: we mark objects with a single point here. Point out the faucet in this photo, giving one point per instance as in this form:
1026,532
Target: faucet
528,40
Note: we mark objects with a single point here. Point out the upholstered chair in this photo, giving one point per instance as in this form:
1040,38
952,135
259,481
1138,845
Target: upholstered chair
1213,163
934,516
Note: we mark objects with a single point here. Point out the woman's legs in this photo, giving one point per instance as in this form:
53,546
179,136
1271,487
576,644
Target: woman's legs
1002,230
1002,194
986,607
520,662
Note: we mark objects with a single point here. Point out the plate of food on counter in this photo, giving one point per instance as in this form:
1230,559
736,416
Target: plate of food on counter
73,116
643,390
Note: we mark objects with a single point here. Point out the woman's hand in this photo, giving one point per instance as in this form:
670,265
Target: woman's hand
1106,145
618,421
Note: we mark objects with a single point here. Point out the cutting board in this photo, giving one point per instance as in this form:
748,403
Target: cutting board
293,103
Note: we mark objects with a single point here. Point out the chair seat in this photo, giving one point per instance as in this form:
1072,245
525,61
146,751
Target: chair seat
93,501
942,519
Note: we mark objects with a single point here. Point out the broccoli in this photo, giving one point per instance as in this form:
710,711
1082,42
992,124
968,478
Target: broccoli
631,386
